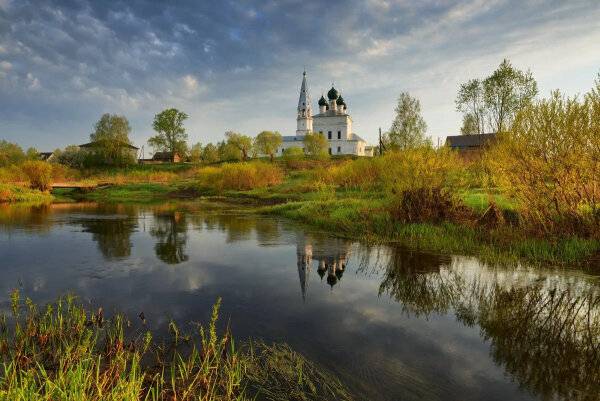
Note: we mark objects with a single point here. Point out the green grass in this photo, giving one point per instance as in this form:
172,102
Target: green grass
368,219
138,193
18,193
64,352
479,200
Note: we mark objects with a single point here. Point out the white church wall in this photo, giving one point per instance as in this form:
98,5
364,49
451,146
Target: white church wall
333,124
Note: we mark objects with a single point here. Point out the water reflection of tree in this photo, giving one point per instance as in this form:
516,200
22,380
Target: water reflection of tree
113,235
546,335
170,230
548,339
27,217
422,283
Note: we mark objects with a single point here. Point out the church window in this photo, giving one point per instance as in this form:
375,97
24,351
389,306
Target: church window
339,149
339,134
328,134
329,150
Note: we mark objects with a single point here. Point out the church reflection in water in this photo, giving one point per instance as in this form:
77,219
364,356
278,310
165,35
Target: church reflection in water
330,254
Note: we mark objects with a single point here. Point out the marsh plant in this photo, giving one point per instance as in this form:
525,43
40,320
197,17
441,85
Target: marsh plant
63,351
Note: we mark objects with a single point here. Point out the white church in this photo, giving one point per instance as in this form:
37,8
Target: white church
333,121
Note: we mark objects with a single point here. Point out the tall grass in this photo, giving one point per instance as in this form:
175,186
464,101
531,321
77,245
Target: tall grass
238,176
64,352
20,193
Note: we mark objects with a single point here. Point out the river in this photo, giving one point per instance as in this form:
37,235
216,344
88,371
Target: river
391,323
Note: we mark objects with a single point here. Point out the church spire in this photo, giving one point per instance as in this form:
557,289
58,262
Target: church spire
304,119
304,99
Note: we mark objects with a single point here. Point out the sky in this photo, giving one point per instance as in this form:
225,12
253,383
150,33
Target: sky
237,65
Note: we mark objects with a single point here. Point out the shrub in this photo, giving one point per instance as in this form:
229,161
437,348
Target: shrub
291,156
239,176
39,174
359,174
427,205
12,174
550,163
18,193
423,167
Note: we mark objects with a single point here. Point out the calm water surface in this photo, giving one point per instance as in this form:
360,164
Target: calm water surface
392,324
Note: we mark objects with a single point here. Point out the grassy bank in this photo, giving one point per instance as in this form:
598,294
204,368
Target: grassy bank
19,193
369,220
361,199
65,352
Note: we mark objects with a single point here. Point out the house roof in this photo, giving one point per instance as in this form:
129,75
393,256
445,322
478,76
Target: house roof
163,155
92,144
469,141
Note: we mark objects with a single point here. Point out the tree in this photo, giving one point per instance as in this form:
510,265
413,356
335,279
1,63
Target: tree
228,152
293,153
32,154
470,125
408,128
315,144
110,141
171,133
506,92
71,156
267,143
470,101
241,142
10,153
210,154
196,153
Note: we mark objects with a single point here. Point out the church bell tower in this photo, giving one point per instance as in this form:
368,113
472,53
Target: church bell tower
304,120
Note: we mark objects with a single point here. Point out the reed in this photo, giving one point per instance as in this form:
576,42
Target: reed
64,352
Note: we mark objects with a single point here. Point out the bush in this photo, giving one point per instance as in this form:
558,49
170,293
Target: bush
359,174
39,174
293,157
427,205
239,176
12,174
18,193
550,163
423,167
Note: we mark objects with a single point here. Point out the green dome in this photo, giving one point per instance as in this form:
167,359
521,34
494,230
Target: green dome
332,94
340,101
322,101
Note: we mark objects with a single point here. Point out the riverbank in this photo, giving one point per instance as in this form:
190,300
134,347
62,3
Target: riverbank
351,199
65,351
363,215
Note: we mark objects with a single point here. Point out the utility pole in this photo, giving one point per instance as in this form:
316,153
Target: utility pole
381,146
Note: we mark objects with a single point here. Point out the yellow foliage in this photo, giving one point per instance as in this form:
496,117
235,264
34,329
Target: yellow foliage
422,167
239,176
550,163
39,174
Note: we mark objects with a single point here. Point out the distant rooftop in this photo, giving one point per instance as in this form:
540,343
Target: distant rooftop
469,142
91,145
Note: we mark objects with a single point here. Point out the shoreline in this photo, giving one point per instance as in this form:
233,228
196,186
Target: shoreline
366,220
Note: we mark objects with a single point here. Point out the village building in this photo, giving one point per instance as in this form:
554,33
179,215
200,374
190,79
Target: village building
333,121
162,157
470,143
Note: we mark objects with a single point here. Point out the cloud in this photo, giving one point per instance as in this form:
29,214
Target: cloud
190,84
33,83
238,65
